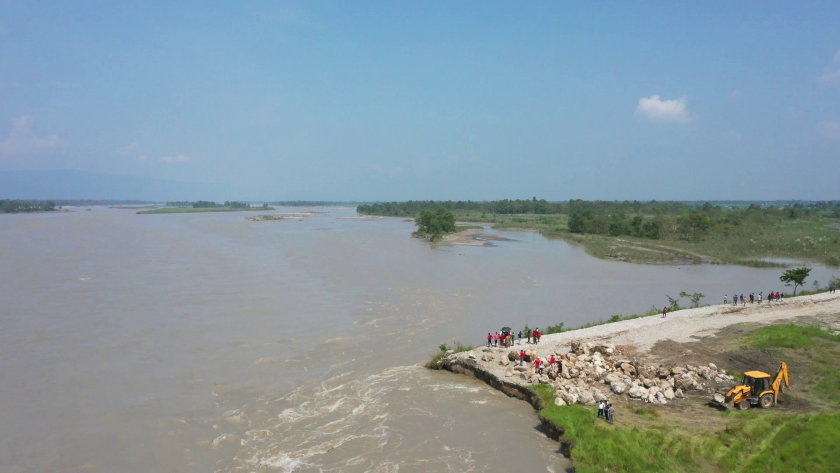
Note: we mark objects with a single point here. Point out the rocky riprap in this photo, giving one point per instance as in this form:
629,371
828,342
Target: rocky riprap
590,372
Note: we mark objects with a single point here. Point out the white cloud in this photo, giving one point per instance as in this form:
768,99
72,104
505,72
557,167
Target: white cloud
22,140
830,78
663,110
130,149
180,159
829,130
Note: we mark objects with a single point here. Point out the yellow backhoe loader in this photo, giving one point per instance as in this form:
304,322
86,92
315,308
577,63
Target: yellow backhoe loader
756,389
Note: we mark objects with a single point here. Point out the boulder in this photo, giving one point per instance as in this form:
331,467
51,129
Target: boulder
677,370
628,369
508,373
663,372
691,367
712,367
530,356
669,394
586,398
558,401
598,394
684,381
471,356
679,393
660,397
520,368
487,357
449,352
523,375
575,346
706,373
513,355
618,387
612,378
647,382
636,392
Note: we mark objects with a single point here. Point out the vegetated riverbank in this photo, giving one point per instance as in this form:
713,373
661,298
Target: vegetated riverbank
664,232
660,373
186,210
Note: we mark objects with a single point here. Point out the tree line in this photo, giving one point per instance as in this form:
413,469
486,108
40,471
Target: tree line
15,206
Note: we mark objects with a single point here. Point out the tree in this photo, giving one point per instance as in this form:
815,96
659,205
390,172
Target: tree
693,226
695,298
795,276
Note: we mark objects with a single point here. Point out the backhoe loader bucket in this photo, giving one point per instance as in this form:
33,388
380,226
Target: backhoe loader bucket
720,399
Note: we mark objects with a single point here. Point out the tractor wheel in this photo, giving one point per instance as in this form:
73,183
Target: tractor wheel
767,401
744,405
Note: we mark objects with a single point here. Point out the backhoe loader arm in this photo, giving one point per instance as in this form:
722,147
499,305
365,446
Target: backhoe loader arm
781,375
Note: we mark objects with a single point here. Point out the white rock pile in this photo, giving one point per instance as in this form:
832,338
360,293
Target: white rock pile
591,372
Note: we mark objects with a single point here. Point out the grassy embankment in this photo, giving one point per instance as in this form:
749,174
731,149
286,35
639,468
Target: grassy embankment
184,210
758,440
752,243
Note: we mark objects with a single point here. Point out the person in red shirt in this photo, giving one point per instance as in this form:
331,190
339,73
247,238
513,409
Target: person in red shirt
521,357
553,364
538,365
664,312
489,339
496,340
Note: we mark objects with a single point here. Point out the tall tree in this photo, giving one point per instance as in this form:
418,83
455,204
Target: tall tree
795,276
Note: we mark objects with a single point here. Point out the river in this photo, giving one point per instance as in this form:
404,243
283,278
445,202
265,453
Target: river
207,342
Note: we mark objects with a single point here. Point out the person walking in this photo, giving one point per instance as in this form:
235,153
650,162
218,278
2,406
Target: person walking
528,334
496,339
760,296
489,339
752,297
743,300
725,300
552,364
831,288
664,312
610,413
521,357
537,335
538,365
520,337
601,408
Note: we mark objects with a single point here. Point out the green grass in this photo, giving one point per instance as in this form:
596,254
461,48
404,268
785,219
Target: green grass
754,441
789,336
751,243
458,347
184,210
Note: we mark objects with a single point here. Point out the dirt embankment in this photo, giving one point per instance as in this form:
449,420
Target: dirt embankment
671,364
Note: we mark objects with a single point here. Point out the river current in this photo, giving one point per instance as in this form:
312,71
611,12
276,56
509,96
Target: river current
207,342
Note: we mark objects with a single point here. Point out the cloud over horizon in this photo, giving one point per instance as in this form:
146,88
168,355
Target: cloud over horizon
656,109
180,159
21,140
829,130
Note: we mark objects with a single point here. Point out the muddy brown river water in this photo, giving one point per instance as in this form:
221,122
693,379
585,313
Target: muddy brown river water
207,342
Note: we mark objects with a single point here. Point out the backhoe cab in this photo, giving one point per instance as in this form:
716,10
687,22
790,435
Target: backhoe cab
757,388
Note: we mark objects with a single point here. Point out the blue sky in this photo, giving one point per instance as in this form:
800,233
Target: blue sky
430,100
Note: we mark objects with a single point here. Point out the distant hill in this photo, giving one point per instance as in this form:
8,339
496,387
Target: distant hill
80,185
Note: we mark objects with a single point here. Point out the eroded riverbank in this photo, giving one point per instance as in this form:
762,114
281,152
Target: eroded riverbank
654,367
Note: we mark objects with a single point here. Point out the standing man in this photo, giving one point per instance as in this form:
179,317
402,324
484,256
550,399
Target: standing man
521,357
601,407
537,335
552,364
664,312
489,339
610,413
528,333
725,301
520,337
538,365
496,339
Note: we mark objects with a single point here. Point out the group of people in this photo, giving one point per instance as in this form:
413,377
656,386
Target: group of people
752,298
506,339
606,410
539,365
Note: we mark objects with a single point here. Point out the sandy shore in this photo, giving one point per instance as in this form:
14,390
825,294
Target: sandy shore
682,326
